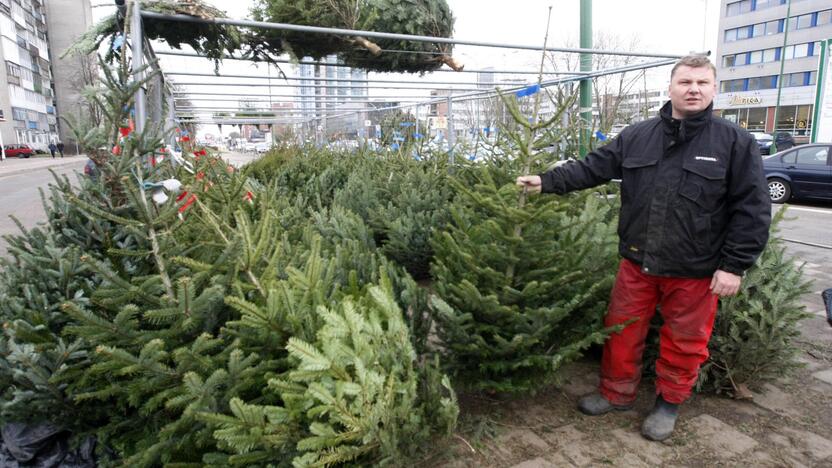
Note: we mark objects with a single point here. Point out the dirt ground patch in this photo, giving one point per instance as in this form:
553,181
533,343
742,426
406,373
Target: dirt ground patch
787,424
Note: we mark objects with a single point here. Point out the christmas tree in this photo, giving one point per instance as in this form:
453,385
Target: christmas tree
525,278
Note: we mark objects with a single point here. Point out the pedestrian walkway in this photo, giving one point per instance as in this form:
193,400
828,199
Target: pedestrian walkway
12,166
787,423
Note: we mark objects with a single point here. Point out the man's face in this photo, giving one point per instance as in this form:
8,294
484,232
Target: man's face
691,90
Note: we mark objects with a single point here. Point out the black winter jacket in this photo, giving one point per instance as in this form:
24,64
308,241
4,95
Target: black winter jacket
693,195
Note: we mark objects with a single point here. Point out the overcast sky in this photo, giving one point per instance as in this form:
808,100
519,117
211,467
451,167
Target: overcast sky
661,26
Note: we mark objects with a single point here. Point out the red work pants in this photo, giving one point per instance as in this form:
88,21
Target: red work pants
688,308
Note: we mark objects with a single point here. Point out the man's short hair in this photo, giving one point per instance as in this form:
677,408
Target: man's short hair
693,61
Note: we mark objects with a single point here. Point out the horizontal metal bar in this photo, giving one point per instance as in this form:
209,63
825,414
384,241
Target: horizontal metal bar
544,84
398,37
339,65
244,121
336,80
302,99
299,86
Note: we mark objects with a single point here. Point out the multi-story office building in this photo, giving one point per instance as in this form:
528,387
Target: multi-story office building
337,88
751,46
26,87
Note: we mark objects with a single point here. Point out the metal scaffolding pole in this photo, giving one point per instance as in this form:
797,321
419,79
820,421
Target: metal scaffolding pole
137,45
586,84
310,62
451,132
398,37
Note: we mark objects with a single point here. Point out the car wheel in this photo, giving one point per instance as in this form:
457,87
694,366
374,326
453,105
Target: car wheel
779,190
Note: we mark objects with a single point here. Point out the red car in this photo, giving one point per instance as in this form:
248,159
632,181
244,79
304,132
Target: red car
18,151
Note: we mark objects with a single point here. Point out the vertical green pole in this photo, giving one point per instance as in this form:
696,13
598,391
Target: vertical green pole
780,75
586,65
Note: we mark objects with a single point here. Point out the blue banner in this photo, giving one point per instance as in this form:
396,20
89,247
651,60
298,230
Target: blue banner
528,91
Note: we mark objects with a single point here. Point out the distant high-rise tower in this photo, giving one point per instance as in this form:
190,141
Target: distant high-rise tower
66,21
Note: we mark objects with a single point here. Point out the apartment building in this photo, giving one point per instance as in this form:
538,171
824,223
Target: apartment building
26,87
752,43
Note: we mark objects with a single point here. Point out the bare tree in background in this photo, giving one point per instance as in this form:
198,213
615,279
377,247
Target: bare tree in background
610,92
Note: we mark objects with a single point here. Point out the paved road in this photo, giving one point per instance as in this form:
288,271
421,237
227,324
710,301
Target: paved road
19,196
805,223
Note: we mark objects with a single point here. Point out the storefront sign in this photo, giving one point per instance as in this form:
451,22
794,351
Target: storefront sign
822,121
745,100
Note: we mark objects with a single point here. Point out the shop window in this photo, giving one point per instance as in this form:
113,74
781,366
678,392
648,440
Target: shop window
785,118
756,119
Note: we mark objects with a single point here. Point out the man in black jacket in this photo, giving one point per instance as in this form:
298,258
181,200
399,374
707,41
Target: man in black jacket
695,214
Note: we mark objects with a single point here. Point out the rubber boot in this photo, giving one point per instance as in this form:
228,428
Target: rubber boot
660,422
595,404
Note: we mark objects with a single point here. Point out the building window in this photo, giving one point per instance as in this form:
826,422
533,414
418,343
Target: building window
801,22
796,120
729,61
733,85
763,4
762,82
756,120
738,8
18,114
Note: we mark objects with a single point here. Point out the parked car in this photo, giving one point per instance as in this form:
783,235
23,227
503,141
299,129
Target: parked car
249,146
262,147
804,171
764,141
18,151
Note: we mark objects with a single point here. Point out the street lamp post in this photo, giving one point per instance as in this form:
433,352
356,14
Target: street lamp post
780,76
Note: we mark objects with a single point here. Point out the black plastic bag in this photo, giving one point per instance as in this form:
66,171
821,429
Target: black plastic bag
827,301
42,446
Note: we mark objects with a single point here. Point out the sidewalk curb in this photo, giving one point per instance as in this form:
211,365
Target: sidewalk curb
18,171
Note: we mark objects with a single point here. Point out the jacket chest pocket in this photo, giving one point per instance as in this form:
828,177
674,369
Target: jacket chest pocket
638,176
704,184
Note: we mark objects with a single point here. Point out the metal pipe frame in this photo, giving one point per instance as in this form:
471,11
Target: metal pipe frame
137,47
324,64
344,80
300,98
543,85
398,37
267,85
244,121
